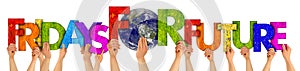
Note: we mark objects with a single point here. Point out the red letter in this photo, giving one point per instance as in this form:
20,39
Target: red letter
114,24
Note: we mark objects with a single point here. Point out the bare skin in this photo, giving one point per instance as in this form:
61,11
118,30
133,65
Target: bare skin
270,55
286,52
229,55
180,49
245,52
46,52
62,53
113,47
209,55
187,53
86,57
35,53
141,52
11,49
98,60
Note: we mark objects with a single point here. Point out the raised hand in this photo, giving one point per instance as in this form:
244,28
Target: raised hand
113,47
286,52
62,52
271,53
208,54
86,57
98,59
11,49
86,53
46,50
141,50
245,52
35,54
180,48
188,51
229,55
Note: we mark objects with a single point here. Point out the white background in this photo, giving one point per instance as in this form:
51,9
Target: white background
62,11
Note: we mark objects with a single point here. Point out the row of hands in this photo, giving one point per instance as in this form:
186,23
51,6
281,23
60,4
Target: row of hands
286,52
142,49
44,56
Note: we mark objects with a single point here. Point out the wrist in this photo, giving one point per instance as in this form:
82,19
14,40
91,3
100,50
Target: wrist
34,59
113,57
287,60
47,57
86,59
141,60
247,59
230,61
178,55
97,61
11,57
211,60
187,58
47,60
269,60
61,58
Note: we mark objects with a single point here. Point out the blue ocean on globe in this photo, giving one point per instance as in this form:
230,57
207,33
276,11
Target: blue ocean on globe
142,22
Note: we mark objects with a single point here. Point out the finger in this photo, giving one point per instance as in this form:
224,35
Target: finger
11,43
227,49
145,44
117,47
139,44
271,49
46,46
178,42
283,48
14,49
241,51
63,49
82,50
87,47
37,48
102,52
63,46
177,49
288,48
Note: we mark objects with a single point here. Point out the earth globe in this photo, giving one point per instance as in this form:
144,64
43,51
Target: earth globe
142,23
